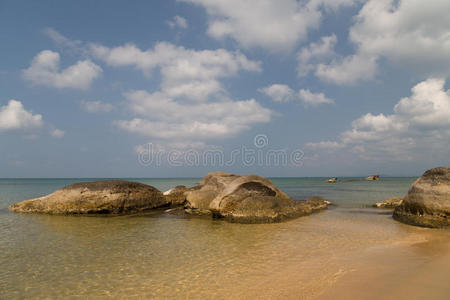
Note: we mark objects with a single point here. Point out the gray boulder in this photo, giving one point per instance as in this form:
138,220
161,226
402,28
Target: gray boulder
98,197
427,203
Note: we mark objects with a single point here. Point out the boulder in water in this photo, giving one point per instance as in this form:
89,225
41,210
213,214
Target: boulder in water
97,197
246,199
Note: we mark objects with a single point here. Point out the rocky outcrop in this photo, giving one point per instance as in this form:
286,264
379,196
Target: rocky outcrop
199,197
98,197
390,203
427,203
372,177
176,196
246,199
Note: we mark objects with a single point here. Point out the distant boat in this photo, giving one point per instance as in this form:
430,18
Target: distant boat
372,177
331,180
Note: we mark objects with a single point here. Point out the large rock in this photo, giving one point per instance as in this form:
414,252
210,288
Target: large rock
428,200
98,197
199,197
246,199
176,196
390,203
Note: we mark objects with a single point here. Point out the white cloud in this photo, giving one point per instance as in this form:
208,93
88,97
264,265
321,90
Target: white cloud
13,116
332,5
405,32
278,92
57,133
178,21
60,39
348,70
321,58
324,145
96,106
164,118
44,70
420,123
313,99
185,73
315,52
274,25
283,93
191,103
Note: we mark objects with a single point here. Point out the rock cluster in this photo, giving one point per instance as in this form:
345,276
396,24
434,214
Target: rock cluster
243,199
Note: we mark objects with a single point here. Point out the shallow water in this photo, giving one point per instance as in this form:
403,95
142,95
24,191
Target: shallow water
163,256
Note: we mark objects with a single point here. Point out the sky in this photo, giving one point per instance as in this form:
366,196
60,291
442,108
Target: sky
181,88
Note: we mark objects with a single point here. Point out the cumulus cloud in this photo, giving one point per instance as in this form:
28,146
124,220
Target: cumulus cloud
14,116
313,99
178,21
278,92
164,118
191,103
44,70
185,72
407,33
420,122
315,52
96,106
273,25
57,133
283,93
321,59
348,70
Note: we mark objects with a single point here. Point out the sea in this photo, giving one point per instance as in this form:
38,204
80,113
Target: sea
163,256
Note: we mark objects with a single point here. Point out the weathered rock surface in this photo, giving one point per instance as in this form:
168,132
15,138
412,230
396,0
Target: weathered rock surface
176,196
372,177
199,197
98,197
246,199
390,203
427,203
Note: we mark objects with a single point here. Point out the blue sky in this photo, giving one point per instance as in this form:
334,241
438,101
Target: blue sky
356,87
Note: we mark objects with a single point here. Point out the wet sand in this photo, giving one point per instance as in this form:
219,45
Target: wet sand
416,266
408,270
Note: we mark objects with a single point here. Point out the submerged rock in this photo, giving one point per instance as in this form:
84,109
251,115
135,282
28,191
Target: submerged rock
246,199
390,203
372,177
427,203
97,197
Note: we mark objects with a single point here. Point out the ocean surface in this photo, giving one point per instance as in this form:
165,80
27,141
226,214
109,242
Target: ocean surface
162,256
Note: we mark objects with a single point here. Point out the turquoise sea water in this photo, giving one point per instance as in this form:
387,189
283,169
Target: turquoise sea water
164,256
